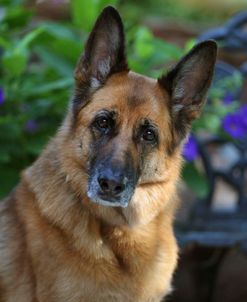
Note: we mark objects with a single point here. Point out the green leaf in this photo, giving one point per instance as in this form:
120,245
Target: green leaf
61,46
15,63
195,180
143,44
15,59
24,42
16,16
45,88
54,61
189,45
213,123
84,13
59,30
4,43
104,3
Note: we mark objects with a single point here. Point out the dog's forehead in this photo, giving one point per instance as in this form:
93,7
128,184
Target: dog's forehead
133,91
134,85
131,78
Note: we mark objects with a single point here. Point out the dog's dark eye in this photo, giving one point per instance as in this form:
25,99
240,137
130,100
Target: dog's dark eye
104,123
149,135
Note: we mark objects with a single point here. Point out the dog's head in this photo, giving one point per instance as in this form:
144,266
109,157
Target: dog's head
128,129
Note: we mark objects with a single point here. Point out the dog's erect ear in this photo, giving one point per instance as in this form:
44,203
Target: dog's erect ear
104,51
188,84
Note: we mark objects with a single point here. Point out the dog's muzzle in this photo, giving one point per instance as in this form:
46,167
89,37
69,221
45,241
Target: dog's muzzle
110,186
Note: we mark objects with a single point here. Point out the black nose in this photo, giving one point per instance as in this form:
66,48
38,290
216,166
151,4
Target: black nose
111,186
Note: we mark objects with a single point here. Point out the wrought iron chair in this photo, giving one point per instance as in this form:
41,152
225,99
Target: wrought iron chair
207,224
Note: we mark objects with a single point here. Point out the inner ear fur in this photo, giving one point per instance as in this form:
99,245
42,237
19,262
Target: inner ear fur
187,84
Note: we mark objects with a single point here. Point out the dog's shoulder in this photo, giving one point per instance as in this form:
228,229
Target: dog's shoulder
15,269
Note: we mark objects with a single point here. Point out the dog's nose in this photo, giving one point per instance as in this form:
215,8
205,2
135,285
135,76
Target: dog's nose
111,186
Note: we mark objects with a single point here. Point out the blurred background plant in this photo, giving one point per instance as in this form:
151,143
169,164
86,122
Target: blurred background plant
37,58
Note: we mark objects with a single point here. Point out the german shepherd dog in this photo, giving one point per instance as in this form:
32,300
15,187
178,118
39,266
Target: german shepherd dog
91,219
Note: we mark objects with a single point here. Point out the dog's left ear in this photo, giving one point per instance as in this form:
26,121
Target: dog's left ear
104,51
187,85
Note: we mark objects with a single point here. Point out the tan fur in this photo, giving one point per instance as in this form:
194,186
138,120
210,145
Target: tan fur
57,245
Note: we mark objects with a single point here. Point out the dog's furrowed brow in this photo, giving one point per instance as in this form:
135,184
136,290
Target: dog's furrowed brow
146,121
135,101
109,111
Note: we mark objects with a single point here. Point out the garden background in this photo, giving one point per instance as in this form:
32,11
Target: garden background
40,43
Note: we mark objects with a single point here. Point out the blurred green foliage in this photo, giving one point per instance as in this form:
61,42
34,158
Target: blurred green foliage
37,59
186,12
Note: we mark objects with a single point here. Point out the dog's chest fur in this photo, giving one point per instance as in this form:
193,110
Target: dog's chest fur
103,264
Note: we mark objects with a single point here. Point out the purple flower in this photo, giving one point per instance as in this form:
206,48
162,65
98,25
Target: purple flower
190,149
228,98
1,96
31,126
234,124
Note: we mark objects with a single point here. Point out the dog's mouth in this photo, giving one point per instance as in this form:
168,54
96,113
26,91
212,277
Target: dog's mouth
106,201
121,201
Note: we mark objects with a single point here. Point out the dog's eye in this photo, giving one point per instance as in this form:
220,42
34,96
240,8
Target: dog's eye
149,135
104,123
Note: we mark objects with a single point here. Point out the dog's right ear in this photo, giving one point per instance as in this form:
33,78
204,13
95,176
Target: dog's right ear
104,52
